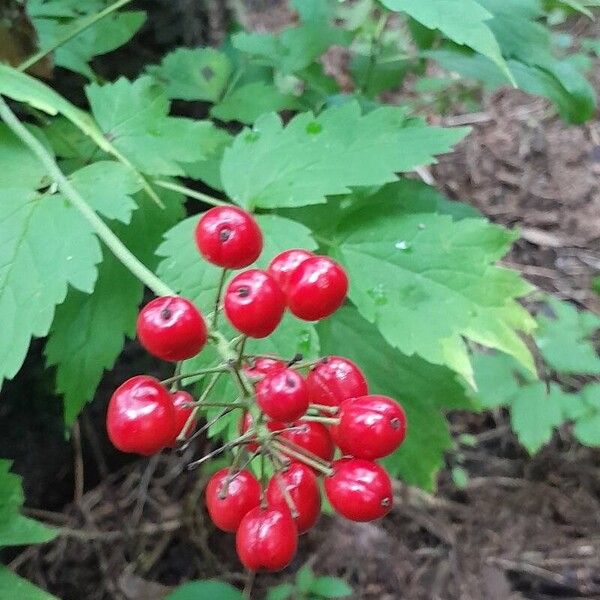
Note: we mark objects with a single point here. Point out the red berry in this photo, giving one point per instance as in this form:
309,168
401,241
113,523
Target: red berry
243,494
229,237
283,395
334,380
266,539
301,484
182,404
171,328
141,417
316,288
254,304
284,264
264,366
246,422
370,427
359,490
309,435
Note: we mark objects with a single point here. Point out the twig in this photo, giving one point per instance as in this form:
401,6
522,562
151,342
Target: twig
78,464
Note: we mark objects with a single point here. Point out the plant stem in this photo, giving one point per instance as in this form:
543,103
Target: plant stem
300,450
228,446
182,189
316,419
302,458
218,298
140,270
179,377
279,468
82,25
183,433
325,408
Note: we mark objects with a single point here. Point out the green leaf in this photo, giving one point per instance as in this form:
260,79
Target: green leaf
108,186
209,169
197,590
47,245
248,102
88,331
272,166
427,281
425,391
304,579
15,529
460,477
564,341
587,427
193,74
283,591
133,116
13,586
535,413
102,37
330,587
495,378
463,21
19,167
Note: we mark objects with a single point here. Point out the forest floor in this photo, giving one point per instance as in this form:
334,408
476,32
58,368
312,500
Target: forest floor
521,527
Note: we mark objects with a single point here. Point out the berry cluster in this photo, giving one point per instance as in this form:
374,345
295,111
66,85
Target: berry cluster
295,416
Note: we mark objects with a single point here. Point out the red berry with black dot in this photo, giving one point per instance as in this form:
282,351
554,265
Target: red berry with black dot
335,379
171,328
303,489
254,304
266,539
263,366
283,395
316,288
183,405
284,264
141,416
359,490
228,503
309,435
370,427
229,237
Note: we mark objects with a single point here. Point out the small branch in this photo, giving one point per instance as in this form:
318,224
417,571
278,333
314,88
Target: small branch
217,369
318,466
140,270
183,433
317,419
243,439
218,298
182,189
82,25
282,487
325,408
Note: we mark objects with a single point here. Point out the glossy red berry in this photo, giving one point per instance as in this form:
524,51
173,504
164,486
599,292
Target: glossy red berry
263,366
359,490
182,402
141,417
245,423
303,489
266,539
311,436
316,288
243,494
171,328
283,395
229,237
335,379
254,304
370,427
284,264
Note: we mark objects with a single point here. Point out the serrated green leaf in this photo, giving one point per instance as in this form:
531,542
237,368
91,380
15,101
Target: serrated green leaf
19,167
246,103
330,587
13,586
495,378
103,36
15,529
89,330
564,341
272,166
587,426
209,169
283,591
465,22
304,578
197,590
133,116
535,413
426,280
193,73
108,186
425,391
46,246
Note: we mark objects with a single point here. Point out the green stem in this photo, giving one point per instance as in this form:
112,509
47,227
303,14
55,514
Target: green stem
215,317
66,187
182,189
82,25
218,369
302,458
325,420
325,408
